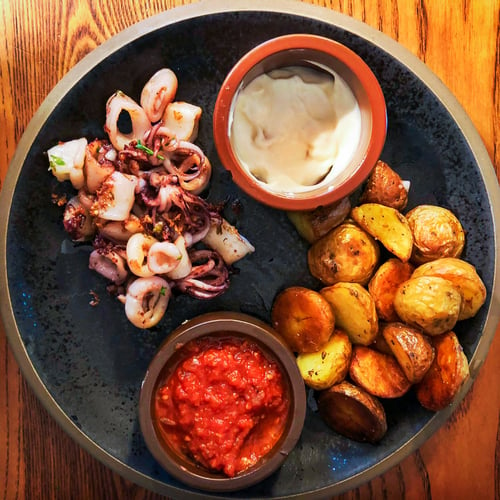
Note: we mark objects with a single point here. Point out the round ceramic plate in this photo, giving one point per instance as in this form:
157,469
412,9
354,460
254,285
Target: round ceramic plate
86,363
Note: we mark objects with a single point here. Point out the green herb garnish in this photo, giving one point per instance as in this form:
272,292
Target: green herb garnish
56,161
163,290
147,150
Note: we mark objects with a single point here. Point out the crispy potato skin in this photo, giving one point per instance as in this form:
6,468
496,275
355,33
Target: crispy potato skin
304,319
330,365
384,284
377,373
412,350
313,224
446,375
385,186
352,412
387,225
436,233
465,278
347,253
354,311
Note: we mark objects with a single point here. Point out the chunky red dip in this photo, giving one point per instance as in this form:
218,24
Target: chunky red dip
225,405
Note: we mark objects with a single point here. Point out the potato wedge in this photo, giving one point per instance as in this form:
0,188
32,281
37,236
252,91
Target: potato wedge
313,224
354,311
412,350
304,319
465,278
386,187
377,373
384,284
387,225
322,369
428,302
436,233
347,253
352,412
446,375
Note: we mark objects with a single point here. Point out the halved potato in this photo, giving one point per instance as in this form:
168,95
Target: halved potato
347,253
387,225
313,224
412,350
428,302
304,319
328,366
354,311
465,278
377,373
446,375
436,233
384,284
352,412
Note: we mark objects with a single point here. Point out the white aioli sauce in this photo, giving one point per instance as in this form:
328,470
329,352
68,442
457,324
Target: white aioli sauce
295,127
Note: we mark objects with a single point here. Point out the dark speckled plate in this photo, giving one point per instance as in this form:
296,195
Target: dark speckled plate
86,364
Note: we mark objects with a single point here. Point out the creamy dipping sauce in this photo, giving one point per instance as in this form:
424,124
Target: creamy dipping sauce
294,127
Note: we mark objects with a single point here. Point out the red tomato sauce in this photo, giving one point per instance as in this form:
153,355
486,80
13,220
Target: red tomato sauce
225,405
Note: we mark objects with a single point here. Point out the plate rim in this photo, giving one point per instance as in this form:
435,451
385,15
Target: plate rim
205,8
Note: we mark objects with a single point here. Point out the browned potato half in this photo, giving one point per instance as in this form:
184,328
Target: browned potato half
313,224
354,311
329,365
304,319
387,225
385,186
431,303
377,373
436,232
384,284
412,350
465,278
446,375
352,412
347,253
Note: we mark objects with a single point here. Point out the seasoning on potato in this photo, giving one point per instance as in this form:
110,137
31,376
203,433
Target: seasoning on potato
352,412
377,373
465,278
446,375
347,253
329,365
412,350
313,224
303,318
384,284
428,302
387,225
354,311
436,233
386,187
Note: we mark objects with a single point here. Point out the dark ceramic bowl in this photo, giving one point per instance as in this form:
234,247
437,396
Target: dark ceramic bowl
322,54
163,365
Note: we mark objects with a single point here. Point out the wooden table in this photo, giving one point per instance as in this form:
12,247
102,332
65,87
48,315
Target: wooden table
42,39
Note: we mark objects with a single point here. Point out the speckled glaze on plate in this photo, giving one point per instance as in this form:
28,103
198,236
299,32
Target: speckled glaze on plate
86,364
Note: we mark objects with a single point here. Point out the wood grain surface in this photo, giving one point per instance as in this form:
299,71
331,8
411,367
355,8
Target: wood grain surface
40,40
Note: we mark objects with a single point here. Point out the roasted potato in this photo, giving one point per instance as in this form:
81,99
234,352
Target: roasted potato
384,284
412,349
313,224
377,373
380,344
386,225
428,302
328,366
304,318
354,311
385,186
352,412
347,253
446,375
465,278
436,233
